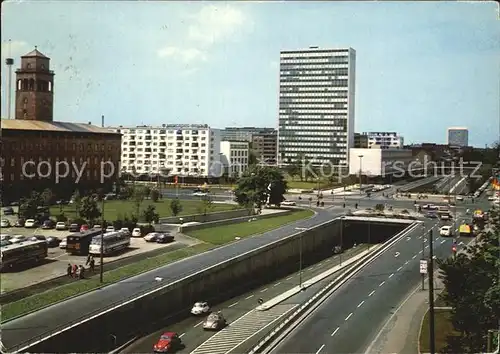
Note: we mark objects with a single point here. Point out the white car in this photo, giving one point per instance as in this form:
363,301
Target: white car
97,227
446,231
63,243
4,223
151,237
459,197
61,225
288,203
30,223
136,232
18,238
491,199
110,229
199,194
125,230
200,308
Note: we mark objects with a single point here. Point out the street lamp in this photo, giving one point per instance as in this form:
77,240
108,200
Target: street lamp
360,171
341,237
101,268
302,230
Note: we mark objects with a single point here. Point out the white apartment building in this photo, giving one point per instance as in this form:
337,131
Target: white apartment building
183,149
316,105
384,140
234,157
380,162
458,136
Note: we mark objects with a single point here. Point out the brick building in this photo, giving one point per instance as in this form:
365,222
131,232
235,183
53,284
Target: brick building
34,146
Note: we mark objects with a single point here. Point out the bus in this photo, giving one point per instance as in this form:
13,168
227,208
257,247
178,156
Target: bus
465,230
113,242
78,242
23,252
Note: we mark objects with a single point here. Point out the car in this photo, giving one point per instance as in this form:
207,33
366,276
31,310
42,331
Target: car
8,211
63,243
38,238
136,232
165,238
4,243
431,215
61,226
4,223
18,238
19,223
84,228
97,227
125,230
74,228
199,194
110,229
5,237
214,322
168,342
31,224
288,203
200,308
459,197
446,231
151,237
48,224
53,241
490,199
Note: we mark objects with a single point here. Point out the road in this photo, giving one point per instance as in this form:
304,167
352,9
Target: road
36,324
348,320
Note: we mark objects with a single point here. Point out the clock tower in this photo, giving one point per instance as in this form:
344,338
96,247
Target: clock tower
35,88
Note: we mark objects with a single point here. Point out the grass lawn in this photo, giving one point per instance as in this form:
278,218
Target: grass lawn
112,208
308,185
220,235
443,328
60,293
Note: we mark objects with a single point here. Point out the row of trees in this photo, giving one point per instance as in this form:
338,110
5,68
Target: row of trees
472,289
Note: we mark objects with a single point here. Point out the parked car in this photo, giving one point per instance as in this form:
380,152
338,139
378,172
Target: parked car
61,226
165,238
110,229
151,237
4,243
4,223
200,308
8,211
97,227
63,243
288,203
168,342
19,223
431,215
5,237
48,224
18,238
84,228
74,228
215,322
53,241
38,238
31,224
136,232
459,197
125,230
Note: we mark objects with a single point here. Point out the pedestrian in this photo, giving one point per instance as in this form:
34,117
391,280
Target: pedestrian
74,270
88,258
92,264
69,270
81,272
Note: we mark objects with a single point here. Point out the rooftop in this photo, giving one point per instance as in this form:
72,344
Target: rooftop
20,124
34,53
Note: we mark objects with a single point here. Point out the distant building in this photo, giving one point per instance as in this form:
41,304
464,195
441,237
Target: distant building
316,105
264,141
234,157
360,141
458,137
33,145
384,140
181,149
379,162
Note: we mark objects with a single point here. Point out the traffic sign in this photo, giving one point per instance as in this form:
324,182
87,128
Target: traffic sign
423,267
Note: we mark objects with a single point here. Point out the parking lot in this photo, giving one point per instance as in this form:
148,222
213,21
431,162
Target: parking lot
57,261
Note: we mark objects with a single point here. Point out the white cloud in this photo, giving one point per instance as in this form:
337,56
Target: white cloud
185,55
15,48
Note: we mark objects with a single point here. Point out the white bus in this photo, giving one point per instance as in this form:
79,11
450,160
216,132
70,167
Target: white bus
113,242
23,252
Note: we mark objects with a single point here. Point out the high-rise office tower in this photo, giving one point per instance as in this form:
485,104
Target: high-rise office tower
316,105
458,136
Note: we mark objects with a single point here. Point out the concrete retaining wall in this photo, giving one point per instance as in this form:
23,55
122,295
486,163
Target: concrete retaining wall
220,215
215,285
185,229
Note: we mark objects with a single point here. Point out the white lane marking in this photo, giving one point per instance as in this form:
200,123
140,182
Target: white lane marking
320,264
321,348
236,303
288,278
370,294
348,316
443,241
361,303
390,276
278,283
248,297
397,254
263,290
180,335
382,283
415,256
427,246
406,262
196,325
335,332
399,268
419,252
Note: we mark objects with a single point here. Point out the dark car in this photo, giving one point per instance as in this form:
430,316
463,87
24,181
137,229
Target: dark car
74,228
8,211
20,223
48,224
431,215
38,238
53,241
165,238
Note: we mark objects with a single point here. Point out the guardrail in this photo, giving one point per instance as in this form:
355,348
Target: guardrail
287,325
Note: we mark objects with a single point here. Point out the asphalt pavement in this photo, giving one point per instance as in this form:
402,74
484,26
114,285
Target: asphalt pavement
348,320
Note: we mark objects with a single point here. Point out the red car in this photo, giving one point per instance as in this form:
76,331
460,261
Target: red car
168,342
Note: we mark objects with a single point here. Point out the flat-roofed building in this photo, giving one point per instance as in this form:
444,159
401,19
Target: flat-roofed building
234,157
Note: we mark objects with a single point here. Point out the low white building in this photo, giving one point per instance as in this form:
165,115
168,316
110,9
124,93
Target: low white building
182,149
234,157
380,162
384,140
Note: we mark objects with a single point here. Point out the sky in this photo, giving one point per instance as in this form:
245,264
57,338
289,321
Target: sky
420,67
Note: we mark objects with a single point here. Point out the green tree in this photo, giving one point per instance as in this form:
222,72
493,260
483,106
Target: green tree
89,210
257,184
47,197
175,206
379,207
28,208
77,201
138,196
252,158
155,195
150,215
207,205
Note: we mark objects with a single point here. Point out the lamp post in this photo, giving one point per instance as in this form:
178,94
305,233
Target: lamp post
341,238
101,268
360,172
431,294
301,229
